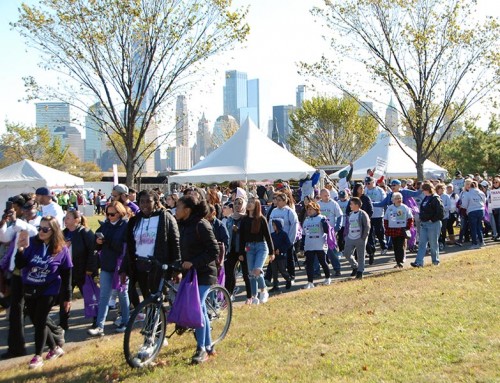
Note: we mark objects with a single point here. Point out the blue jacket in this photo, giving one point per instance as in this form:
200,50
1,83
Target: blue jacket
221,233
280,238
113,246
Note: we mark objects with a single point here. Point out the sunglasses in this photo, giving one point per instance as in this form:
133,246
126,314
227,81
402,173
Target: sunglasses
28,207
110,214
44,229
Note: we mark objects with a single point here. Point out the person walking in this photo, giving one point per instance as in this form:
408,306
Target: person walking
356,234
474,201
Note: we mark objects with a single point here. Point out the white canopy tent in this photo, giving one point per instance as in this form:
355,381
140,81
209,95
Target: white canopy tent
399,165
26,176
248,155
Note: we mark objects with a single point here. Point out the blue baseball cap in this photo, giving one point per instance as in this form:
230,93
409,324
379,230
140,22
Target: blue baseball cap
395,182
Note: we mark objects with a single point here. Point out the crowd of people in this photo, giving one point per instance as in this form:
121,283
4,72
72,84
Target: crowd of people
260,232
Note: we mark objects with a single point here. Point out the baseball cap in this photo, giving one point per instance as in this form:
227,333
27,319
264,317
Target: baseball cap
368,179
342,194
458,173
484,183
121,188
395,182
42,191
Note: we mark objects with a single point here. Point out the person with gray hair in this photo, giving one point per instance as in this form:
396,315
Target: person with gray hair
398,219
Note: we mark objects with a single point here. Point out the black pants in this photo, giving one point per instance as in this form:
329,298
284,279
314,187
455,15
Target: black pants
376,230
132,292
63,314
46,331
444,225
15,338
279,264
399,245
340,239
449,224
310,256
230,267
290,261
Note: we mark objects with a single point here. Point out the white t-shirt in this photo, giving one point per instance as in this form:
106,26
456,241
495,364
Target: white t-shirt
331,210
145,236
397,216
54,210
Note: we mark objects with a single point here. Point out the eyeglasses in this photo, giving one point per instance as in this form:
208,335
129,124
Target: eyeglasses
44,229
110,214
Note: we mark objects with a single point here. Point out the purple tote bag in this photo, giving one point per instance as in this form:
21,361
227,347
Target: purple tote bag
186,310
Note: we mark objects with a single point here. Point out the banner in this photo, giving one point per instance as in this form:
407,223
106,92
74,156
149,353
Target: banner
495,198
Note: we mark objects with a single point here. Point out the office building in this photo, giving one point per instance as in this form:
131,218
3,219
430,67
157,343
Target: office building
282,124
392,118
241,97
300,95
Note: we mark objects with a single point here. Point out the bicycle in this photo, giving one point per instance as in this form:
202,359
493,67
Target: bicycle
147,327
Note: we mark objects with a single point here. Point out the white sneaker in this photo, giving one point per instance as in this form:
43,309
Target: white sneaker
255,301
384,251
264,296
55,353
327,281
309,286
118,321
95,331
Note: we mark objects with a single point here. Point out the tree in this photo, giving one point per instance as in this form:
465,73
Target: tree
475,150
329,131
428,53
131,56
33,143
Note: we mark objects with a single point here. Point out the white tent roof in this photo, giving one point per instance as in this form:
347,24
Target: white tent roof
27,176
248,155
399,165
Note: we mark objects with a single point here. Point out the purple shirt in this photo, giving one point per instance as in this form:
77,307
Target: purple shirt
43,268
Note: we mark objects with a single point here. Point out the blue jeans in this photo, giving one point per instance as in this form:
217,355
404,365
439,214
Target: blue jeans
476,227
429,233
333,255
256,256
106,281
203,334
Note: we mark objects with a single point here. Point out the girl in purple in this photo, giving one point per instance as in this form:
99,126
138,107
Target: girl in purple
45,266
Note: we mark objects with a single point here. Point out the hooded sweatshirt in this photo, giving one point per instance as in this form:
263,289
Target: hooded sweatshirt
473,200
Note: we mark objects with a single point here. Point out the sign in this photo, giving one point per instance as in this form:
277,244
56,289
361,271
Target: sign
381,166
115,174
495,198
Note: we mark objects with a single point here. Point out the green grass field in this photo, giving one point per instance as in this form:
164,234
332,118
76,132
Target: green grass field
436,324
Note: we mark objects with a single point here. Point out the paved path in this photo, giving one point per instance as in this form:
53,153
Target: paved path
76,336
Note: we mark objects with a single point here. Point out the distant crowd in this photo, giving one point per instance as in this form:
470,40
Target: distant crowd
261,231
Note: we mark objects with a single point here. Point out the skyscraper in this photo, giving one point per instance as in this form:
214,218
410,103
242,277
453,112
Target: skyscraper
283,125
300,95
203,140
95,138
241,97
392,118
181,122
56,117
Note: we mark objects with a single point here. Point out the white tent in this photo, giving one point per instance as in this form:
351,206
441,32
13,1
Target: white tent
398,164
26,176
248,155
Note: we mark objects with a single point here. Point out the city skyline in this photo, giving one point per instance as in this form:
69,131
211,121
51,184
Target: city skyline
264,56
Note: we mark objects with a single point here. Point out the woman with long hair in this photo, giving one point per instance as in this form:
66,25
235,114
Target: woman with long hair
45,265
199,250
255,245
213,199
110,239
81,244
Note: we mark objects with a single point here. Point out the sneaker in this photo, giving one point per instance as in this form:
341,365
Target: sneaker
255,301
121,329
140,317
292,282
118,321
435,263
212,353
338,273
309,286
414,264
359,275
384,251
95,331
264,296
354,272
249,301
288,285
36,362
200,356
55,353
327,281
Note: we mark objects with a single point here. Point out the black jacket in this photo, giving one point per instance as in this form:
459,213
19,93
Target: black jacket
366,206
199,246
166,249
114,240
431,209
82,253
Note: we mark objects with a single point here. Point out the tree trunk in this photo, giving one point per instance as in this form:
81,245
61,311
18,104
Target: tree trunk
420,166
130,171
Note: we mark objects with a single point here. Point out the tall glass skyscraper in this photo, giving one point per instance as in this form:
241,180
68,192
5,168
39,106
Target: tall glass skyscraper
282,124
241,97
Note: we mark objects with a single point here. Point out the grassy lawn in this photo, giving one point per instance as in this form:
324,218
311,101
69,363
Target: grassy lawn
436,324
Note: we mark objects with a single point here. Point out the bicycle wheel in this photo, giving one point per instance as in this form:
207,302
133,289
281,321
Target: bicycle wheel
145,333
220,312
